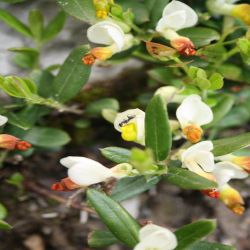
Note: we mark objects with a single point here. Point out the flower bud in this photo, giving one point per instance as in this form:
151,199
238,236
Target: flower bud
11,142
184,46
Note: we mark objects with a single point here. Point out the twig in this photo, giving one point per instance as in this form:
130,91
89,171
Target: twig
49,194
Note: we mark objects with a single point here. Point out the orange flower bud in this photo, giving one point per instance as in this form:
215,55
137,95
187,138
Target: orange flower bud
11,142
232,199
184,46
193,133
102,53
65,185
88,59
242,11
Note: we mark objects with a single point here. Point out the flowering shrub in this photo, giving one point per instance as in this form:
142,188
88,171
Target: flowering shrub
197,63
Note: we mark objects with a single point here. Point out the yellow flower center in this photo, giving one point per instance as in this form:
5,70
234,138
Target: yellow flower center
129,132
242,11
193,133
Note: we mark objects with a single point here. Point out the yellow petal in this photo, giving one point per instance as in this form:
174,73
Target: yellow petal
232,199
242,11
129,132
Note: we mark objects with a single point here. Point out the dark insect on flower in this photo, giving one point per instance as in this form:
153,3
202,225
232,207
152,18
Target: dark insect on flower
130,117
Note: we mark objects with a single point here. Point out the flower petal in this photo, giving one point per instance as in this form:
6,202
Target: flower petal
88,174
131,115
205,160
174,6
106,33
70,161
3,120
156,237
225,171
173,21
193,111
201,146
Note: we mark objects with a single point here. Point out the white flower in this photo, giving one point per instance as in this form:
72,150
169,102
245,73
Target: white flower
199,157
225,171
193,113
176,15
131,124
84,171
3,120
156,238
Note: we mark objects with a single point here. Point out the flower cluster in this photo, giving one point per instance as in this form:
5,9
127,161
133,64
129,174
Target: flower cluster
117,35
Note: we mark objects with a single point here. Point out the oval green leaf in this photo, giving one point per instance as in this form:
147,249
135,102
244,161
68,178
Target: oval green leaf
116,154
187,179
116,218
191,233
72,76
81,9
200,36
231,144
14,23
157,129
101,239
46,137
204,245
131,186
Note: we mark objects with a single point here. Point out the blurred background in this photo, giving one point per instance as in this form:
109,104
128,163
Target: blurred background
41,219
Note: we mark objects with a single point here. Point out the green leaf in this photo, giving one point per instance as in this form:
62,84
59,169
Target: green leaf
131,186
95,108
43,80
18,121
216,81
18,87
116,154
139,10
54,27
187,179
26,58
221,109
36,23
191,233
4,225
157,129
72,76
155,8
16,180
81,9
115,217
101,239
14,23
200,36
3,211
46,137
231,144
204,245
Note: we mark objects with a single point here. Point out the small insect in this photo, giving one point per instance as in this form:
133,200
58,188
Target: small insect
130,117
